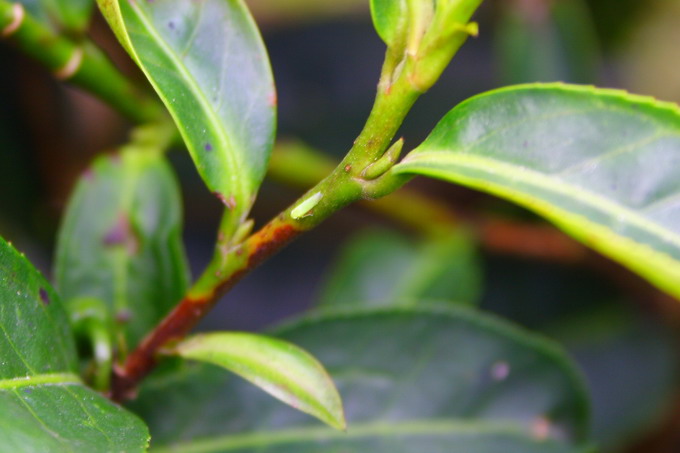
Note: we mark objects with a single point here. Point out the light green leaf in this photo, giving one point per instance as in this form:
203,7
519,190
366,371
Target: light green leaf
277,367
413,380
207,62
61,15
43,404
389,18
602,165
383,268
120,241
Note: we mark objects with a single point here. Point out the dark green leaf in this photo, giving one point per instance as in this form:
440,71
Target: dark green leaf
36,337
389,18
277,367
632,366
61,15
380,268
43,404
601,164
630,360
120,241
412,380
207,62
403,438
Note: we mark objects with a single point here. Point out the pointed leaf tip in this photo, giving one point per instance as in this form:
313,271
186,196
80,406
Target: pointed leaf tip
281,369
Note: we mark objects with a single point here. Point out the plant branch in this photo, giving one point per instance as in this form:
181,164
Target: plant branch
300,166
82,64
234,258
365,173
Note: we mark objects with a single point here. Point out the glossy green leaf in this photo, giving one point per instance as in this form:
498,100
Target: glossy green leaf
412,380
207,62
389,18
61,15
277,367
120,241
382,268
43,404
601,164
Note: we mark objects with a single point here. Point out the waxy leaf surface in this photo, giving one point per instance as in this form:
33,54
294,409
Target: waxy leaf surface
383,268
121,243
602,165
43,404
277,367
413,380
207,62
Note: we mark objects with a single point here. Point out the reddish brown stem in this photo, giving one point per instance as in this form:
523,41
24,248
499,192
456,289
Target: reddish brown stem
530,240
184,317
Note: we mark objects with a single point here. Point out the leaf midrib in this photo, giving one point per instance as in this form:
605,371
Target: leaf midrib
62,380
355,431
540,180
40,379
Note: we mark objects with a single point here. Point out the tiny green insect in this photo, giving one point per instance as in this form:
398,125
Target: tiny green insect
304,208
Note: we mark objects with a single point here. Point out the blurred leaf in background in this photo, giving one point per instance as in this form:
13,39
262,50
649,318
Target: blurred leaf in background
120,241
650,60
615,19
632,366
385,268
546,40
289,12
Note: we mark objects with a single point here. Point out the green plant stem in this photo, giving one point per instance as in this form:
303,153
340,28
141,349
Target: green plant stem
233,259
302,167
82,64
404,77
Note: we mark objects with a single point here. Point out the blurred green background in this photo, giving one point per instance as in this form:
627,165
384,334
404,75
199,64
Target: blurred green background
326,59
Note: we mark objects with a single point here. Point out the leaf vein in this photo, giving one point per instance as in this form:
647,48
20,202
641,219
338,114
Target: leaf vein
616,151
40,421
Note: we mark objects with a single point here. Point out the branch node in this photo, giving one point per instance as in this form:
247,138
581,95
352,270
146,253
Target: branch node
18,14
71,67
